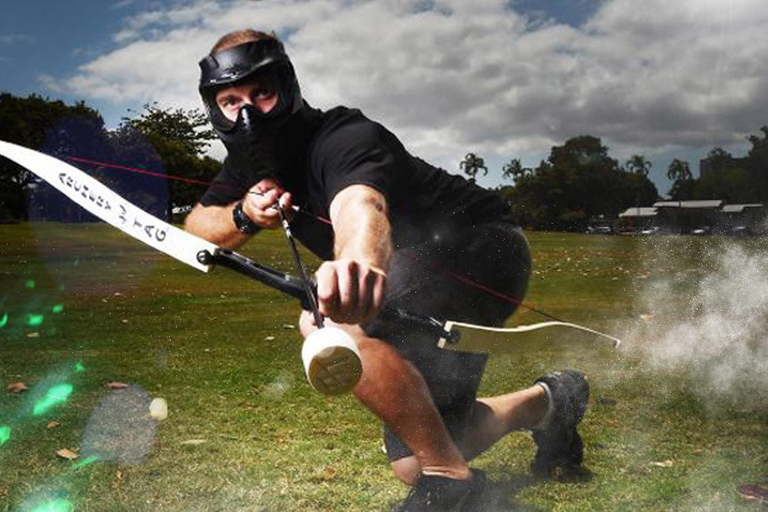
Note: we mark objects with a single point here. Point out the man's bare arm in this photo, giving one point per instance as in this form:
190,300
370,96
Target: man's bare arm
361,226
351,287
215,224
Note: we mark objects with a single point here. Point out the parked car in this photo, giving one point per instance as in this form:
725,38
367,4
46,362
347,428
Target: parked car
653,230
704,230
740,231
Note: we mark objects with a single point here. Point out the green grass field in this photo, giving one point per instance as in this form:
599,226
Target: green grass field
84,305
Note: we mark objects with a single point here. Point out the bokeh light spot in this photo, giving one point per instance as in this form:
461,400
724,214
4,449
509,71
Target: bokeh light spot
79,367
3,320
60,505
33,320
30,284
89,460
5,434
58,308
55,395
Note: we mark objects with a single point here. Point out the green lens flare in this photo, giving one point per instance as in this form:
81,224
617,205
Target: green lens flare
89,460
55,395
58,308
79,367
61,505
33,320
4,320
30,284
5,434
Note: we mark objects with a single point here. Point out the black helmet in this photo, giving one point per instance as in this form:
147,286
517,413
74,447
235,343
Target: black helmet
246,60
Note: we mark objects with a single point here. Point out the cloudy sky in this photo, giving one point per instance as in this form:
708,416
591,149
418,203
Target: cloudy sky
501,78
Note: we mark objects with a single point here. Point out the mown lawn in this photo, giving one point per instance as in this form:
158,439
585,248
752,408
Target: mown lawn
84,305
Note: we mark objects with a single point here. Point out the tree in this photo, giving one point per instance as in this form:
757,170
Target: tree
177,139
639,165
757,164
719,159
679,172
732,185
472,164
189,128
42,124
578,181
514,170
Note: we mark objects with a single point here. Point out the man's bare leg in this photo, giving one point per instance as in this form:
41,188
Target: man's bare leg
493,418
395,391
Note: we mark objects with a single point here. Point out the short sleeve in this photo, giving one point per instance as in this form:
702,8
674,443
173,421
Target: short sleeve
356,151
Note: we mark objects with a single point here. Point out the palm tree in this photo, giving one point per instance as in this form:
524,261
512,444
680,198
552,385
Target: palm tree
472,164
678,171
514,170
639,165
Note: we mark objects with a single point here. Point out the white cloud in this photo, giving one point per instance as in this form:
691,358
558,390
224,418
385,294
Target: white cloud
16,39
123,3
49,82
450,76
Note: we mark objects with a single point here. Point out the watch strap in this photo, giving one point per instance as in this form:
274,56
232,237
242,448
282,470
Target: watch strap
242,221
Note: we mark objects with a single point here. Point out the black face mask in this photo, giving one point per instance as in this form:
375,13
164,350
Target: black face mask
250,141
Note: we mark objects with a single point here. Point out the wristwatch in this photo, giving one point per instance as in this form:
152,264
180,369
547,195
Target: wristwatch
242,221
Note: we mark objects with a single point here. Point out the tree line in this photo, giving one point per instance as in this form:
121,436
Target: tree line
578,181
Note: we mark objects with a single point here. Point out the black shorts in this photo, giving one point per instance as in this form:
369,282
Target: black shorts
448,278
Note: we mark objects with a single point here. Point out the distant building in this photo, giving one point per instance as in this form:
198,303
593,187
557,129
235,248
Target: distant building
686,216
696,217
637,218
708,167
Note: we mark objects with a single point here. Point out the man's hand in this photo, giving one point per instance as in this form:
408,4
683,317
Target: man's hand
350,292
259,201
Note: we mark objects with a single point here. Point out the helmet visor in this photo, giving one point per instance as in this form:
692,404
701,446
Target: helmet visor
234,64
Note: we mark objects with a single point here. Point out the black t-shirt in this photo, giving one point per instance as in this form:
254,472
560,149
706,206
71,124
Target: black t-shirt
342,147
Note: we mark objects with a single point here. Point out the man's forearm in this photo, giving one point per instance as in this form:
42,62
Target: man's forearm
215,224
361,226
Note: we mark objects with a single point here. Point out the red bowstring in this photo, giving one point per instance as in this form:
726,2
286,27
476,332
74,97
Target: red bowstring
138,171
458,277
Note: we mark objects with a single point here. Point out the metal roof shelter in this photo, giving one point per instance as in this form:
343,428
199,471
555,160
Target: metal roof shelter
715,203
740,208
639,211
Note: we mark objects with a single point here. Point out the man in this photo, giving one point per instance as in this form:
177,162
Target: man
401,232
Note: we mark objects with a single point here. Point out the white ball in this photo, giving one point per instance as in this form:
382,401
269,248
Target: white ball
158,409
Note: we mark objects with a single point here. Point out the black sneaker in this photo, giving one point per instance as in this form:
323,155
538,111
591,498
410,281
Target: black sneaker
441,494
560,450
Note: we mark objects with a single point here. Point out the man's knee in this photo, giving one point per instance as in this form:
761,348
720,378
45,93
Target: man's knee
407,469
